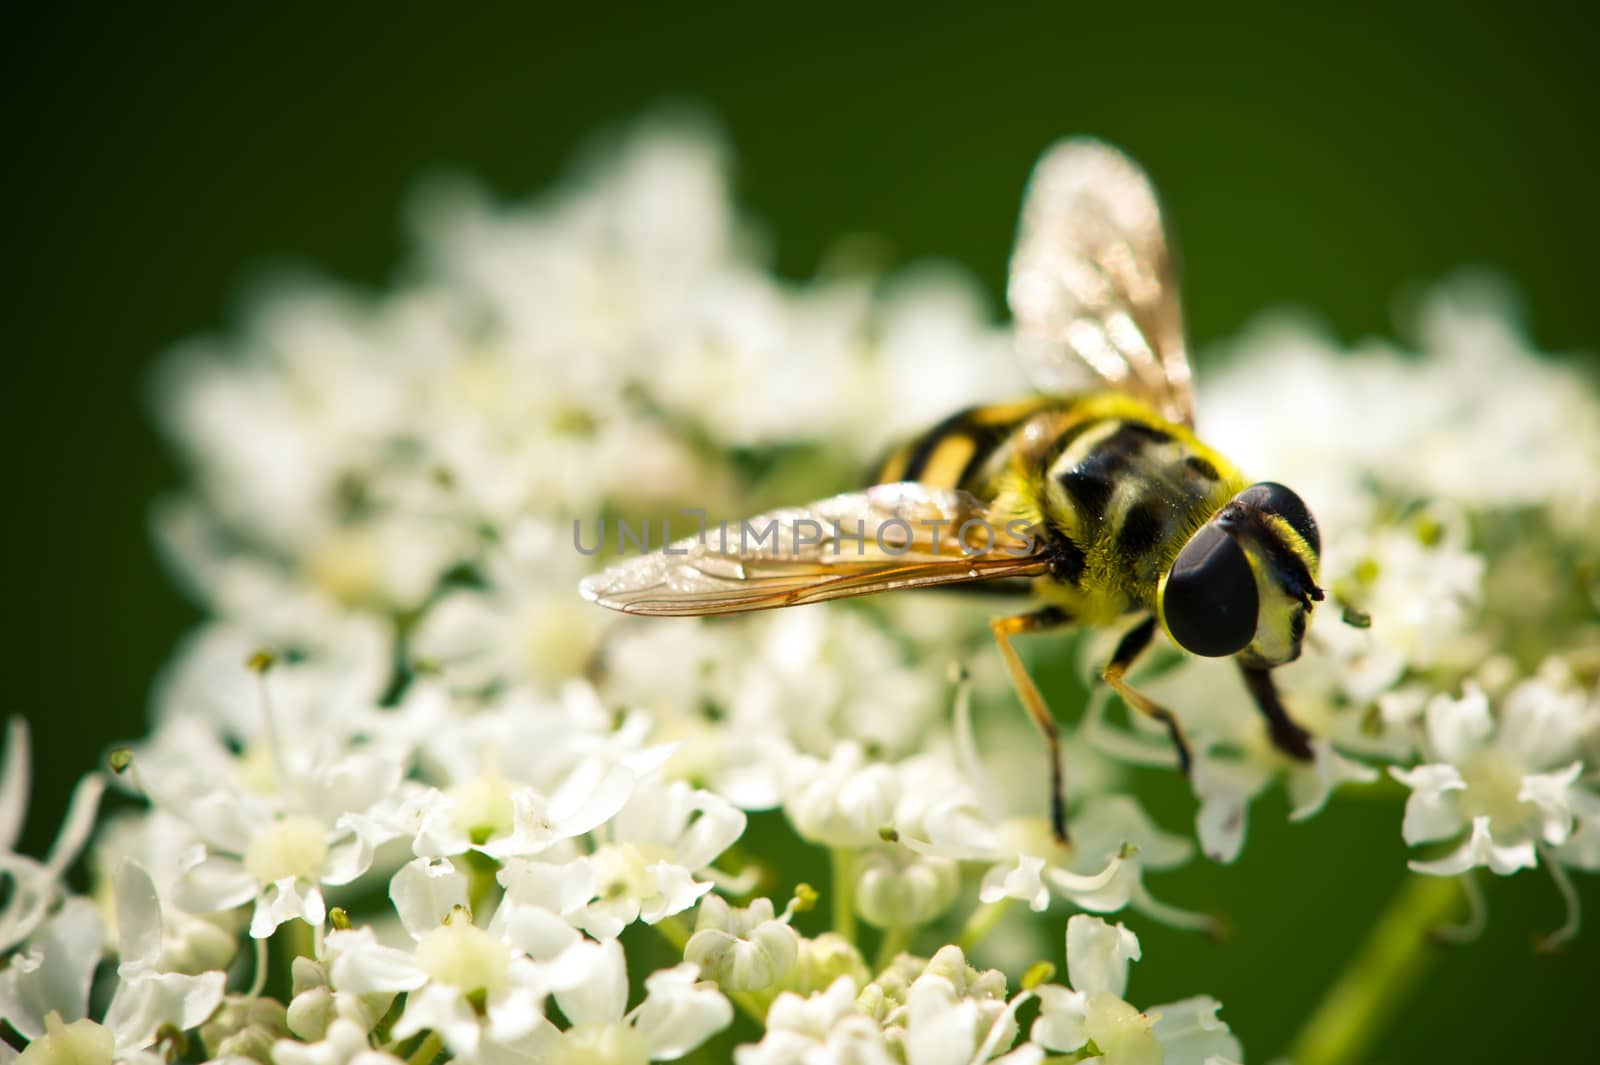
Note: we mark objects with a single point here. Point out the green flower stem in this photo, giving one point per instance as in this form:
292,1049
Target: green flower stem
981,923
753,1005
844,892
263,959
894,941
1381,977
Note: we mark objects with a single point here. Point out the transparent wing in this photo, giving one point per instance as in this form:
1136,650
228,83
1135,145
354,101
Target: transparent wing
1093,285
891,536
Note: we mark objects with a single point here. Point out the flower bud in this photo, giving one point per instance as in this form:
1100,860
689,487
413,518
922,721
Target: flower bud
310,1012
306,973
78,1043
196,945
899,888
822,961
245,1026
845,802
742,950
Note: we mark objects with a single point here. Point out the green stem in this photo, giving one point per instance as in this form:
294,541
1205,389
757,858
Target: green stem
844,892
1382,975
258,980
981,923
894,941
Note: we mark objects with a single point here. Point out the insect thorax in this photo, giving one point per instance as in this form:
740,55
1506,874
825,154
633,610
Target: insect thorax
1117,488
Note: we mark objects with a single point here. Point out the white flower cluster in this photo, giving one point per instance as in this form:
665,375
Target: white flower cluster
942,1011
406,753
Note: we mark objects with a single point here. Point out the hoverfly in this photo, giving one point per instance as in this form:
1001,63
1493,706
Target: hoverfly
1102,500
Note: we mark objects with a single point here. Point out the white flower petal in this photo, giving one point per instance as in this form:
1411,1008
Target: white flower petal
678,1014
424,892
1098,955
54,971
590,797
941,1032
1311,786
1458,727
283,901
1432,809
138,917
591,982
1022,878
14,783
1481,850
359,964
1190,1032
212,884
78,824
1552,794
1063,1014
146,1002
676,891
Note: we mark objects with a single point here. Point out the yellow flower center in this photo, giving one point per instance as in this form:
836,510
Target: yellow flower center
483,807
464,956
1493,779
79,1043
292,847
1121,1032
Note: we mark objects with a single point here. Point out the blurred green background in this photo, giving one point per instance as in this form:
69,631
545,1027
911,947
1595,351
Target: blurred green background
159,156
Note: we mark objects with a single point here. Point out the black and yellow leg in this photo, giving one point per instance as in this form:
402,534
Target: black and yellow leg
1038,621
1132,645
1287,736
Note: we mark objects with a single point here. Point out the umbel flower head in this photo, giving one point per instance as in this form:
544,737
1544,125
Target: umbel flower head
403,771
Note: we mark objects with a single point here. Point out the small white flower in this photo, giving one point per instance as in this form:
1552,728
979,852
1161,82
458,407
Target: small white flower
1511,780
1101,869
650,854
269,853
49,982
467,984
524,625
843,802
494,815
678,1013
1095,1012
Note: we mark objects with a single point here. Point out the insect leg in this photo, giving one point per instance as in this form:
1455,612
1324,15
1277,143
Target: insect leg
1287,736
1040,620
1132,645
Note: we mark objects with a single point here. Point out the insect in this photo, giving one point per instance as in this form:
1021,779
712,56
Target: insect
1094,494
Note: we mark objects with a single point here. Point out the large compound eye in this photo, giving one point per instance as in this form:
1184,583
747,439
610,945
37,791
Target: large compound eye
1274,498
1209,602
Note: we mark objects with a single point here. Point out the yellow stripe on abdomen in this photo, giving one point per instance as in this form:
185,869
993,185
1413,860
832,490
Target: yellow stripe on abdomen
945,465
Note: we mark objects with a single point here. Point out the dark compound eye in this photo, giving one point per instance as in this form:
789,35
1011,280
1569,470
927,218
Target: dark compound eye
1210,602
1274,498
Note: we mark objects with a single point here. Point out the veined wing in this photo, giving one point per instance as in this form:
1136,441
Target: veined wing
1093,284
891,536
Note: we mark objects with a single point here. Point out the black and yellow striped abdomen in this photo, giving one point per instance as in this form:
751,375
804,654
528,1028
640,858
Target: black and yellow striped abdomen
957,452
1115,488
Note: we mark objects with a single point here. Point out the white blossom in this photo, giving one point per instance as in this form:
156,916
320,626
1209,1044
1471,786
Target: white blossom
1093,1011
1511,779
